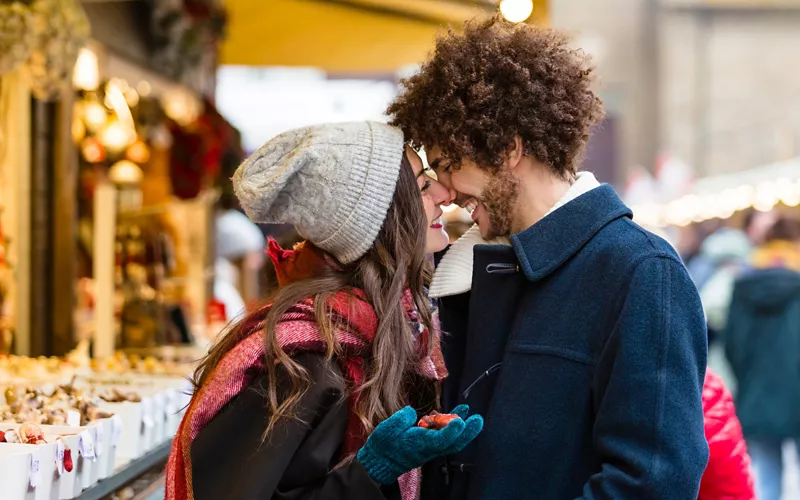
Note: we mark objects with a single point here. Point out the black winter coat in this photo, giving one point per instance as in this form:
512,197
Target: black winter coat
230,462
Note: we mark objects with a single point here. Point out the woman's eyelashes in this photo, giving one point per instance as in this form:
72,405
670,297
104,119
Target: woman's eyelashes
425,186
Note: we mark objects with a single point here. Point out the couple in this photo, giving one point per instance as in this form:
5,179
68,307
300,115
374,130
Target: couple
573,348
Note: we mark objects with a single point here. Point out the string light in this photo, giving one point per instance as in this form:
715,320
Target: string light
94,115
144,88
182,107
766,197
125,172
787,194
138,152
116,137
117,102
132,97
516,11
92,150
86,75
698,208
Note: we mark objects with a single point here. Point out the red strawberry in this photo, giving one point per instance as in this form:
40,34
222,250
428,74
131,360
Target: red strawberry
436,421
2,437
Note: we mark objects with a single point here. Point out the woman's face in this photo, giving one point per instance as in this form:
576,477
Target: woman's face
434,195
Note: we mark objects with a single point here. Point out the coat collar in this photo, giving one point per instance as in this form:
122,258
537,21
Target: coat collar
453,274
546,245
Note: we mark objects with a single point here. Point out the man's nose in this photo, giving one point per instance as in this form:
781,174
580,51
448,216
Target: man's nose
451,195
445,179
443,194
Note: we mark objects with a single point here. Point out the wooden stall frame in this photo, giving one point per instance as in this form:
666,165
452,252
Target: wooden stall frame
16,187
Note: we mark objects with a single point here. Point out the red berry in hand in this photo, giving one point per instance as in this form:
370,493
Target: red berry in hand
437,421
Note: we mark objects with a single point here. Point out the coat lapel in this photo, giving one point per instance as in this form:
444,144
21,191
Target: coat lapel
548,244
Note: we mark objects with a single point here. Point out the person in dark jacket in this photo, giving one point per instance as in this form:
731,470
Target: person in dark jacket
583,342
317,395
762,344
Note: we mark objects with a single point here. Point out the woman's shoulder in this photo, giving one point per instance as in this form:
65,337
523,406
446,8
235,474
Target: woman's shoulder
232,444
324,373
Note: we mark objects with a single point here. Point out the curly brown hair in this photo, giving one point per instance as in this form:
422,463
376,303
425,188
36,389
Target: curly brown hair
495,81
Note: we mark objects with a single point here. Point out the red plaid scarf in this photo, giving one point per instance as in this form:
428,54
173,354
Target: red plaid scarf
297,331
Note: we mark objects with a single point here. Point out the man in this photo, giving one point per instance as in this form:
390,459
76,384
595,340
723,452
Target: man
583,343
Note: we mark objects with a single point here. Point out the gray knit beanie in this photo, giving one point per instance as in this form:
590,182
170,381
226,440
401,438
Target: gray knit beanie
333,182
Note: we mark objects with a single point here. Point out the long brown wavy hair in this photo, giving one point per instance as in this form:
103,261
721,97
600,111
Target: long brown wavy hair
395,261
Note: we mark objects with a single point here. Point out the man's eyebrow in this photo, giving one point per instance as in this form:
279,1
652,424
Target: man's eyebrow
435,164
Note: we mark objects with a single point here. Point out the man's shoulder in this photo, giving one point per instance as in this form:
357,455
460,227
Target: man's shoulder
624,239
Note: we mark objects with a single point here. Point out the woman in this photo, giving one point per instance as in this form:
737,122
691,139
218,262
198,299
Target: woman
308,397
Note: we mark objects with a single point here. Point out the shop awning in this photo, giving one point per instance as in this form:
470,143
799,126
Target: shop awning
344,36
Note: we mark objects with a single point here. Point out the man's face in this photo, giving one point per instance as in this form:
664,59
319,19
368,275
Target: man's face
490,196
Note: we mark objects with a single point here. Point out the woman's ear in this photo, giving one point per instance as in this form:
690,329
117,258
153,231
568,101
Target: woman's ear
514,153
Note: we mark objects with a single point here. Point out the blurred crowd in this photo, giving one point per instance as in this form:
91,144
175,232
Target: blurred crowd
748,276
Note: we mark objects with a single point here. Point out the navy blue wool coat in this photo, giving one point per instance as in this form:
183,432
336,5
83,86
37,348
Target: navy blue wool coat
584,347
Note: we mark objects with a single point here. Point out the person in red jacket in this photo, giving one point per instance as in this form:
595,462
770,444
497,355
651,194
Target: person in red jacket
727,476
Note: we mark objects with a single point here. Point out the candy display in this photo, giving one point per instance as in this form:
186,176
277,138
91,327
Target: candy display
35,370
26,434
88,417
117,396
51,406
178,362
150,365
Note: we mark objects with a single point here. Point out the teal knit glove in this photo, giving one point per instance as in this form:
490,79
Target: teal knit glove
397,445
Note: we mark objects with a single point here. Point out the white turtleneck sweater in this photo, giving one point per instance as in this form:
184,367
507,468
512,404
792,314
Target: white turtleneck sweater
454,274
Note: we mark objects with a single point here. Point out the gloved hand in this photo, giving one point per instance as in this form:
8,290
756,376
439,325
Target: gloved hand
397,445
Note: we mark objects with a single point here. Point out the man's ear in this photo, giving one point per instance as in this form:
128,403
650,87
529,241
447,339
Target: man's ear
514,153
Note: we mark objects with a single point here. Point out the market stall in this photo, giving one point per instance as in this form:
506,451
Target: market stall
110,163
40,41
150,152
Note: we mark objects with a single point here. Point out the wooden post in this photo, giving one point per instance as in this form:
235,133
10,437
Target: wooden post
15,120
41,227
105,230
65,237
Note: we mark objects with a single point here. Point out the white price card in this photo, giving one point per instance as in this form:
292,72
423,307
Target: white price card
60,449
160,402
87,445
98,440
73,418
172,404
116,433
34,471
147,413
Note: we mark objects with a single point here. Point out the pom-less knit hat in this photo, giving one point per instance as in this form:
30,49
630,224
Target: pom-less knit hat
333,182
